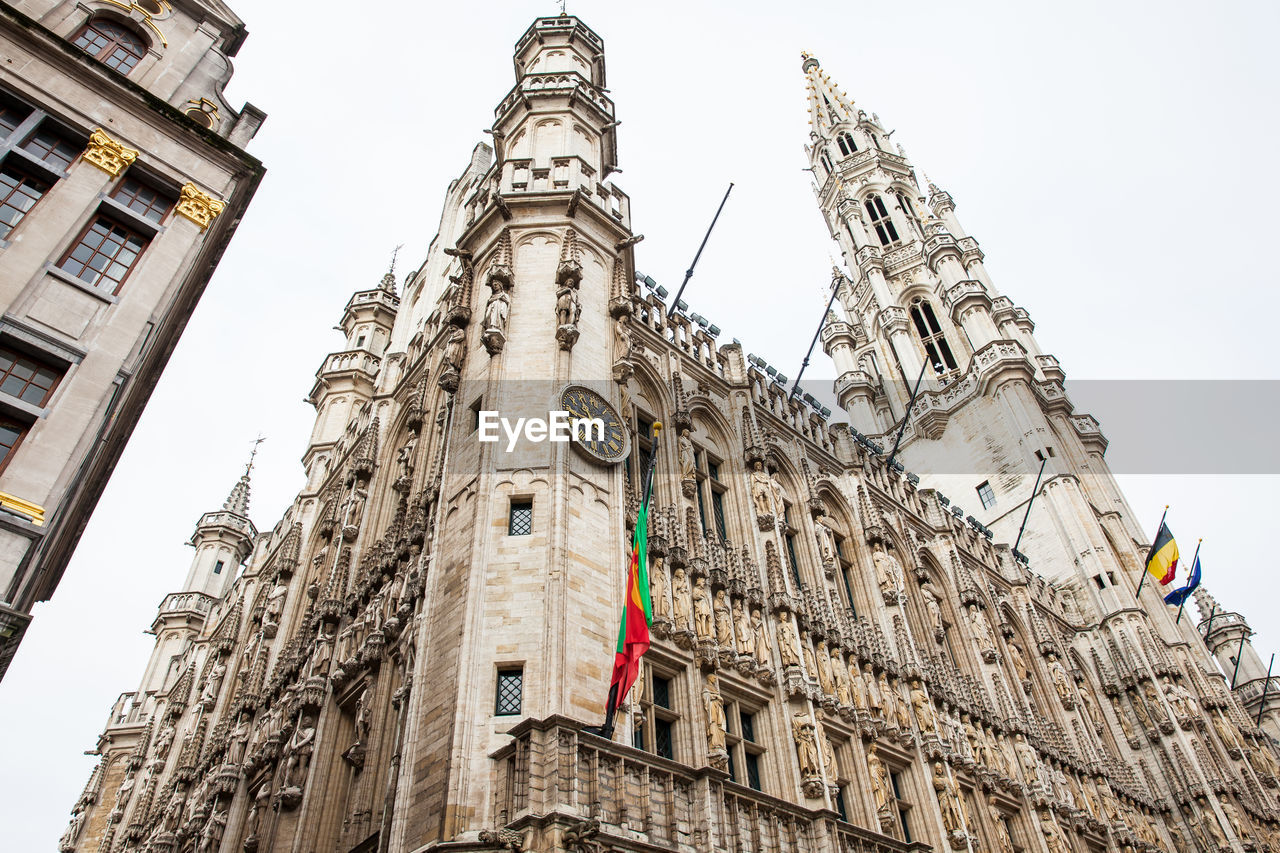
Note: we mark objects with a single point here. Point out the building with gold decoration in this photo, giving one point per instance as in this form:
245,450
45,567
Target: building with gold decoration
122,177
843,658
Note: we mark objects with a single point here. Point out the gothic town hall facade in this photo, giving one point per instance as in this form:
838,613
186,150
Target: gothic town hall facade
843,659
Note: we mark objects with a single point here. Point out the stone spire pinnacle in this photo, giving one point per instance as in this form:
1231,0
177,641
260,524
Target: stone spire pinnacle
238,500
828,104
1205,602
389,280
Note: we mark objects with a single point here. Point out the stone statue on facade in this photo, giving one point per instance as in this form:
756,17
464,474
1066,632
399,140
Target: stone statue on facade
354,514
888,573
213,686
948,800
211,835
874,703
713,704
702,626
803,731
301,746
982,633
881,787
762,638
724,620
742,624
685,448
454,349
857,687
1019,662
762,491
840,675
1061,682
934,611
68,841
274,610
405,462
658,589
1004,843
239,740
902,712
164,741
621,339
680,599
788,650
826,538
823,662
496,313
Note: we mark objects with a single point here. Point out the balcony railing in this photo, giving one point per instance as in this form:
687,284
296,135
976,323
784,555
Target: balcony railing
553,770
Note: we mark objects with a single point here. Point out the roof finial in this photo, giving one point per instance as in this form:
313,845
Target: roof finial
562,11
389,280
238,501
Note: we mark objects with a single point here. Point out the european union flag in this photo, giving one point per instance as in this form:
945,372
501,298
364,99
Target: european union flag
1178,596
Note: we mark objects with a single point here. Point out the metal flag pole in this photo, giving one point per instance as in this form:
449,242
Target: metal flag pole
1209,627
1239,654
835,290
689,272
907,415
1266,686
1183,603
1147,562
1030,501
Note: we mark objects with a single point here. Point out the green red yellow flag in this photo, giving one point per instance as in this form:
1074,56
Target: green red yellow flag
1162,563
637,609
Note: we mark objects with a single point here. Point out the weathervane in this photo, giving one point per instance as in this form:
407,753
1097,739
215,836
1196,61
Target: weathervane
254,453
562,11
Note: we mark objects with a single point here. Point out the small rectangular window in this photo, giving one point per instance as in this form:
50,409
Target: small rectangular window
520,522
475,414
104,254
53,148
987,495
840,807
1098,580
791,553
18,194
11,435
748,723
217,569
142,199
510,687
29,379
10,118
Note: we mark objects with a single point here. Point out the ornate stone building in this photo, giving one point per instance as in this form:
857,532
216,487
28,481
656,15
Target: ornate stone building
122,177
843,659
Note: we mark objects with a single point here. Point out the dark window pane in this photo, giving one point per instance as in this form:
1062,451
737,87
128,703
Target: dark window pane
521,521
753,776
717,503
662,738
27,379
10,118
114,45
509,689
142,199
662,692
748,725
52,148
100,258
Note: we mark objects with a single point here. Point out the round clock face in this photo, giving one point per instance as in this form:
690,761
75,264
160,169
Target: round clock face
602,435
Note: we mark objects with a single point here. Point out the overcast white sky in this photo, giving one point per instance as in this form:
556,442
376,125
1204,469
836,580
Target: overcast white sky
1115,160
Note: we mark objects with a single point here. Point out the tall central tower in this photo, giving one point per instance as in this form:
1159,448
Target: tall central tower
992,408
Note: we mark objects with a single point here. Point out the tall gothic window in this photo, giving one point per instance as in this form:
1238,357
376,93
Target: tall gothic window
880,221
826,162
908,209
931,337
655,730
711,491
114,45
845,142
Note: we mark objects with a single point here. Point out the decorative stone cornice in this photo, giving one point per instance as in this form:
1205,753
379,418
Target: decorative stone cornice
892,319
198,206
109,155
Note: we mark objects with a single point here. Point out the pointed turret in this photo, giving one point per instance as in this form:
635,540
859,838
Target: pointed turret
223,539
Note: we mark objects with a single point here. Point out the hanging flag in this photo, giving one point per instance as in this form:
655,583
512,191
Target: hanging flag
637,610
1162,562
1178,596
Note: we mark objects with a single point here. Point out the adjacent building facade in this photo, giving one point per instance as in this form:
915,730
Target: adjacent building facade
122,177
843,660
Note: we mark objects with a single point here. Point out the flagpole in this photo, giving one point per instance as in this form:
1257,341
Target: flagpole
1239,654
1147,562
1266,686
611,704
1183,603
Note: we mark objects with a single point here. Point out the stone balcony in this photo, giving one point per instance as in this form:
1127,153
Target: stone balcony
555,779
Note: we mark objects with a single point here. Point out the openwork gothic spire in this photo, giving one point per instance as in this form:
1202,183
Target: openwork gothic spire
828,105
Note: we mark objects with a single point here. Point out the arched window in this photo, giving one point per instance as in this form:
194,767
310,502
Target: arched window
845,141
931,337
883,225
908,208
114,45
825,161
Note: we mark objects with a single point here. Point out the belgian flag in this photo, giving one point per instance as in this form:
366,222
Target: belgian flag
1162,560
